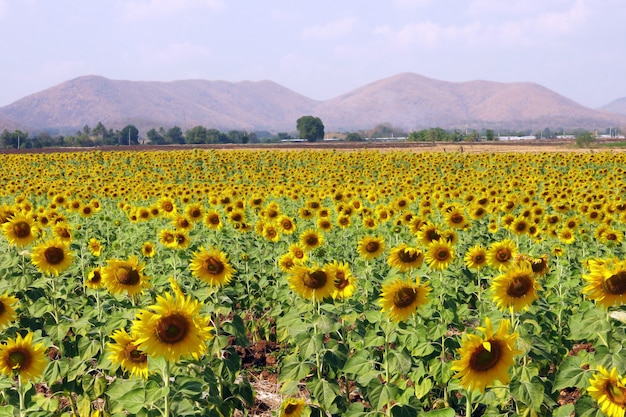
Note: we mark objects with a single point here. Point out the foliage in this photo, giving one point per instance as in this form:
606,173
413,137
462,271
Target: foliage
585,139
310,128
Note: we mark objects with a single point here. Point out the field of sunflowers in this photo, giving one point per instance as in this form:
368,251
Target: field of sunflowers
391,283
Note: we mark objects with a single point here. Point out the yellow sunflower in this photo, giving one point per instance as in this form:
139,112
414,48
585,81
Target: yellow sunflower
609,391
20,230
124,353
310,239
439,254
371,247
211,266
287,262
94,279
401,298
21,357
298,252
7,309
121,276
213,220
405,257
94,246
476,257
343,280
486,359
500,254
52,256
147,249
606,281
311,283
167,238
515,289
292,407
172,328
286,225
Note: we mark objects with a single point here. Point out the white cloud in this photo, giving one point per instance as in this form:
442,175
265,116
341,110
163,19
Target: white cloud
524,31
330,30
148,9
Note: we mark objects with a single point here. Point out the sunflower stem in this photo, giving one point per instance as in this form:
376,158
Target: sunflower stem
468,406
21,394
166,383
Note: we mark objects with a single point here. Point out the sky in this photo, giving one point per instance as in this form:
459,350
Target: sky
320,49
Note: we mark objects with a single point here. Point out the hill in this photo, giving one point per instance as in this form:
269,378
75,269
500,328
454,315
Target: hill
616,106
406,100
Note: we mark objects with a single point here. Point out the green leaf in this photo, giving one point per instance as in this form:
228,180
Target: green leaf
7,411
294,370
571,374
564,411
325,392
358,363
423,388
528,393
379,394
399,362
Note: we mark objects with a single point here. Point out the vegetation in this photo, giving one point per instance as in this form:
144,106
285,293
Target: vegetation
391,283
310,128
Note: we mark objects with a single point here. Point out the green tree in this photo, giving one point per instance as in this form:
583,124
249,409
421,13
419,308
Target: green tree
489,134
129,136
155,137
310,128
585,139
354,137
174,135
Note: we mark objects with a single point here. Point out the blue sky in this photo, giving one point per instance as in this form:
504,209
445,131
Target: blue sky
320,49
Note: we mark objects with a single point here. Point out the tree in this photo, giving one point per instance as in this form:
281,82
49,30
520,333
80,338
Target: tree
489,134
175,135
155,137
310,128
585,139
354,137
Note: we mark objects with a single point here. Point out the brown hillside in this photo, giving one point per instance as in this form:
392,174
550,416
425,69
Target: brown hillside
406,100
616,106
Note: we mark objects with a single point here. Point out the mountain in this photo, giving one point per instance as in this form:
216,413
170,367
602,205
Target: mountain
616,106
406,100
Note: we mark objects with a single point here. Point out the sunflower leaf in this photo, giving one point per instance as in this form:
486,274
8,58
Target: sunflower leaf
571,374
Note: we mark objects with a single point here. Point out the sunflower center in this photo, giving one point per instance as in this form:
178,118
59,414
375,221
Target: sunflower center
456,218
408,256
404,297
195,213
2,308
483,359
539,266
311,240
168,206
616,394
372,247
287,225
316,279
96,277
433,235
21,229
214,219
290,408
298,254
54,255
172,329
340,280
615,284
503,254
18,359
442,254
213,266
135,355
479,259
127,276
519,286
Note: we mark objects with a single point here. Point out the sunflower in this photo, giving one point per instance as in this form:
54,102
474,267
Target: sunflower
52,256
94,279
94,246
167,238
211,266
516,289
121,276
486,359
324,223
609,391
519,226
439,254
172,328
167,206
566,236
404,257
270,232
147,249
286,224
20,230
343,280
7,309
371,247
538,265
213,220
292,407
182,223
476,257
20,356
606,281
124,352
194,212
310,239
455,218
401,298
311,283
429,232
298,252
287,262
63,232
500,254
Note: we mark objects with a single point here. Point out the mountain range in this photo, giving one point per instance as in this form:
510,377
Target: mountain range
409,101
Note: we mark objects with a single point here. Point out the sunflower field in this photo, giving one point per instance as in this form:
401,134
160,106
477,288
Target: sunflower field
392,283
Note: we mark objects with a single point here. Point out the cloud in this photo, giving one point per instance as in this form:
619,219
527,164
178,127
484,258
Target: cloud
524,31
149,9
330,30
